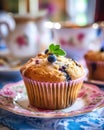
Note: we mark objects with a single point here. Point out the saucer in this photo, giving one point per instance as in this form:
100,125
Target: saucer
10,63
13,98
95,82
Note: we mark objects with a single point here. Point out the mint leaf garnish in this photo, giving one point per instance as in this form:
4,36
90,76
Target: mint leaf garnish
55,49
51,47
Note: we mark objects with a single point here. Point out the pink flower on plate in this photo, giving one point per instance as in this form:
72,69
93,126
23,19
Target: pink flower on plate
7,92
81,94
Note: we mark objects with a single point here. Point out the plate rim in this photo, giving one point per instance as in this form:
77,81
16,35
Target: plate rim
96,82
44,115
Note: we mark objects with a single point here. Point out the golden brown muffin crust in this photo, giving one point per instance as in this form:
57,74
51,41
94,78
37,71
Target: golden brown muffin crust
39,69
94,56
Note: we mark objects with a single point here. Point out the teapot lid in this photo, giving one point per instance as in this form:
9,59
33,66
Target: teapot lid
29,17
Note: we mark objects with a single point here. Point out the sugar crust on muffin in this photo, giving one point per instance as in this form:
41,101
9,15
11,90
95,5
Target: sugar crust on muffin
39,69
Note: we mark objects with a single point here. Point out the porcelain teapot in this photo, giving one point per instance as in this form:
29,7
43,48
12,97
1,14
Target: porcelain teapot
23,41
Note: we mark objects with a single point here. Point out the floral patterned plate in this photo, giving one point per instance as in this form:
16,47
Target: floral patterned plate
13,97
97,82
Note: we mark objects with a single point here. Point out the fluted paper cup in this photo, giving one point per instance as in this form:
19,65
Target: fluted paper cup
52,96
95,70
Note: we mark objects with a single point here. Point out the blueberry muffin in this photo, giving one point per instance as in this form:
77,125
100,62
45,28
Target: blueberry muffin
52,80
95,64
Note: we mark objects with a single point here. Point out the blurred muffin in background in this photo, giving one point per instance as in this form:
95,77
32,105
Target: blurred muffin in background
95,64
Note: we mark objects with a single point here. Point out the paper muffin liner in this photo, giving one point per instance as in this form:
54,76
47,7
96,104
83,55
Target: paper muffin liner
95,70
46,95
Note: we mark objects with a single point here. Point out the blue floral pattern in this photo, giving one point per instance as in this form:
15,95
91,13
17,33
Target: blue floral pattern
90,121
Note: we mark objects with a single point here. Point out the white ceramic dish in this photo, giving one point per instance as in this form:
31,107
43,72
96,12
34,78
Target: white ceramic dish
77,40
96,82
13,98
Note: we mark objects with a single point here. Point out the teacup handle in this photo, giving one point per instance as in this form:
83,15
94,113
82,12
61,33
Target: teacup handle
6,24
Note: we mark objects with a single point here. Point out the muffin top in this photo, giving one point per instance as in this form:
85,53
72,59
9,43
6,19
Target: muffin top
95,55
52,66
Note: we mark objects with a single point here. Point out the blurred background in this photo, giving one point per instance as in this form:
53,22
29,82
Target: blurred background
27,27
78,11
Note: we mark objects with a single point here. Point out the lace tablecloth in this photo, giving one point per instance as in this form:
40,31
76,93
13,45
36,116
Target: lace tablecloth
90,121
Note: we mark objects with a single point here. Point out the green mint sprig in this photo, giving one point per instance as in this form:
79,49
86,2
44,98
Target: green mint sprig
55,49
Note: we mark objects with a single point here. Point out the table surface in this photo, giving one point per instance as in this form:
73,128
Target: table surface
89,121
2,127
